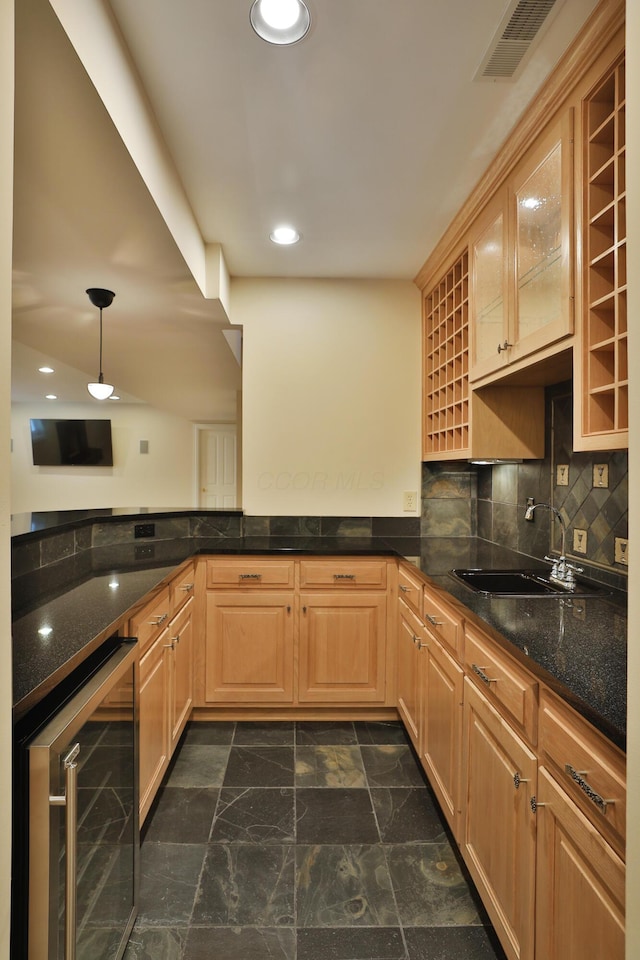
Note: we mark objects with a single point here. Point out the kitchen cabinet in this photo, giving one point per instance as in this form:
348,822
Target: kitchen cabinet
441,740
249,647
180,646
342,644
498,839
342,648
522,270
580,882
412,637
164,628
154,720
249,635
296,632
459,422
430,694
602,409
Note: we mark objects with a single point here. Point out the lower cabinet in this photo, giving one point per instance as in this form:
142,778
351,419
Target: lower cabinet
499,833
409,678
180,672
580,886
321,642
342,648
154,720
442,728
249,647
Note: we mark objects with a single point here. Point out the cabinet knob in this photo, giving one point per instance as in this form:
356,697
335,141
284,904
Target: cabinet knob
504,346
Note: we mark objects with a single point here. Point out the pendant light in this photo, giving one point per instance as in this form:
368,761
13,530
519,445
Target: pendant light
100,298
280,21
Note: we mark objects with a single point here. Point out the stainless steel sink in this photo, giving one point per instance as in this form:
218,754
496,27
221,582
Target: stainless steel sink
520,583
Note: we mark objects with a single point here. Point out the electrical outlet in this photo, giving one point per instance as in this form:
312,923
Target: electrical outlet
601,474
144,530
562,475
621,548
410,501
530,503
580,541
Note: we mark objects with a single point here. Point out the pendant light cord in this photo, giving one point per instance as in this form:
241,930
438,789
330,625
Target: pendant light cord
100,376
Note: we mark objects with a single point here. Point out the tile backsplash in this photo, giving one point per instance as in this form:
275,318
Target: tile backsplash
462,499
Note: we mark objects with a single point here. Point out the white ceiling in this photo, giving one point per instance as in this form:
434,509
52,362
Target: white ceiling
367,135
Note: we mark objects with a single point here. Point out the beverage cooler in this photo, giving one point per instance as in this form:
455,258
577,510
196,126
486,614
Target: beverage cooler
76,829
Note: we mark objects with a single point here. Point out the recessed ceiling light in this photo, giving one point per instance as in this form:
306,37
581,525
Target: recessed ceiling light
113,396
280,21
45,370
284,235
51,396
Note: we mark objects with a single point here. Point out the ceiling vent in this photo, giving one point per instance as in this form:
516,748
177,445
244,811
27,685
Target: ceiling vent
512,40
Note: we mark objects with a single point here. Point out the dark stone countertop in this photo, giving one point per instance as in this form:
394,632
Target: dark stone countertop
576,646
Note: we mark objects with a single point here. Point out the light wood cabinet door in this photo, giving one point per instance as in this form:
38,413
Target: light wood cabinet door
498,833
181,659
441,726
249,647
580,883
411,638
522,259
154,720
342,648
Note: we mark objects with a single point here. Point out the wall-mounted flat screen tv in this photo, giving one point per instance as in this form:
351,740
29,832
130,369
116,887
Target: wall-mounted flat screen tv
71,443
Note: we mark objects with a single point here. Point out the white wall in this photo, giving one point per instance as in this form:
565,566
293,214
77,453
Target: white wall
162,478
331,395
633,634
6,212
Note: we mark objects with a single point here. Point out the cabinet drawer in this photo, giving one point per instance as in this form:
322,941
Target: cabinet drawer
410,589
151,621
343,573
181,589
442,621
588,768
250,572
504,682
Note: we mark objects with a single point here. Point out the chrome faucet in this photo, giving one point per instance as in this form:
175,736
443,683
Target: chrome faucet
562,572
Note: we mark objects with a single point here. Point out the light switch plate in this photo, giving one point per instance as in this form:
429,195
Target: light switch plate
579,541
621,551
601,475
562,475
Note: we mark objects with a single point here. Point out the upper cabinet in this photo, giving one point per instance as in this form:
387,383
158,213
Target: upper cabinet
522,270
528,285
603,410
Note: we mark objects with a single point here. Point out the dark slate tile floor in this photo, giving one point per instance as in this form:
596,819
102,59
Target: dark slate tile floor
302,841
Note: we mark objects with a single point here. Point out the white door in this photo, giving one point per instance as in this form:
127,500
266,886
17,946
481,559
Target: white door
218,465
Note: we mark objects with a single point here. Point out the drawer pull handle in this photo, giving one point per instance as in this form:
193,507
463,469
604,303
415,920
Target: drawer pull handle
344,576
480,672
588,790
158,620
434,621
251,576
517,780
186,587
404,589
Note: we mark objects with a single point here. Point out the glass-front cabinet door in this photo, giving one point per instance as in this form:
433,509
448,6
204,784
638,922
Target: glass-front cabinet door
489,273
522,259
